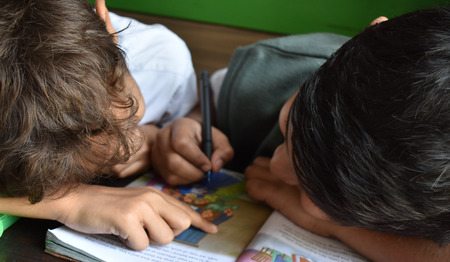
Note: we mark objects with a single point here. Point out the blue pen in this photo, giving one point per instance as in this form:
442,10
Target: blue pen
205,106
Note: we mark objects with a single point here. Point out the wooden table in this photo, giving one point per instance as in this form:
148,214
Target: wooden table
25,241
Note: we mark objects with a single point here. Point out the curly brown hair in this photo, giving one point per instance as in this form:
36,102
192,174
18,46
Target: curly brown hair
61,80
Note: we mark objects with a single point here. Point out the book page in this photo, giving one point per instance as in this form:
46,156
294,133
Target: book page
279,239
108,248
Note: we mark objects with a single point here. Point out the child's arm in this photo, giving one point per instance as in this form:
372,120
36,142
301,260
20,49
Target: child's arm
262,185
389,247
137,215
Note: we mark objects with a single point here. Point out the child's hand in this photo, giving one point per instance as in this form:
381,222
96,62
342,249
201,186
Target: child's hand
263,185
178,157
137,215
141,160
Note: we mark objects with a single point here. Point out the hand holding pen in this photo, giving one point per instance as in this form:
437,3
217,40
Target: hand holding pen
179,153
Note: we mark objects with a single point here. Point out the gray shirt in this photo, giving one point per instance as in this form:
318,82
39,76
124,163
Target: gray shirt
260,78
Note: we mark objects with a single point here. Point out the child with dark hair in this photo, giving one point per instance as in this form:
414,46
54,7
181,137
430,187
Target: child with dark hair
366,137
70,110
379,128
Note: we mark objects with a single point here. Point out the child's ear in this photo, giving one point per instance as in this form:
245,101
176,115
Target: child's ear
102,12
378,20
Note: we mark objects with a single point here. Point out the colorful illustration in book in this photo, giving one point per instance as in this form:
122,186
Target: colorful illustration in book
210,201
266,254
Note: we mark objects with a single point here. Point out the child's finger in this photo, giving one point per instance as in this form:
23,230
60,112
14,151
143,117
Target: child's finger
203,224
260,170
187,143
262,162
223,152
192,216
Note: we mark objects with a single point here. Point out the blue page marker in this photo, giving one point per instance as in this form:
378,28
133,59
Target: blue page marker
205,106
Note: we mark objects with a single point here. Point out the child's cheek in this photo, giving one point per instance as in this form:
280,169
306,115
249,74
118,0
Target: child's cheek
280,166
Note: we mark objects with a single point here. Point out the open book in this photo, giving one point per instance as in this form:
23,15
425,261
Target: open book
248,231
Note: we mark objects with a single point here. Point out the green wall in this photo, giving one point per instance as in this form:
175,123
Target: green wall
279,16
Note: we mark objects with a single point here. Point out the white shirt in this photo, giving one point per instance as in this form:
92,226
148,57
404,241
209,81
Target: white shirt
161,64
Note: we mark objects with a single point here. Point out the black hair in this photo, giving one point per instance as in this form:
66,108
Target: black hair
371,129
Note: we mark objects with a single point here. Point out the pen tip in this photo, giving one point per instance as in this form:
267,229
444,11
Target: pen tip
208,176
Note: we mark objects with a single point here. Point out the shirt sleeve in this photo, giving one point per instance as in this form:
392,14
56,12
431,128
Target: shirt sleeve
161,64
